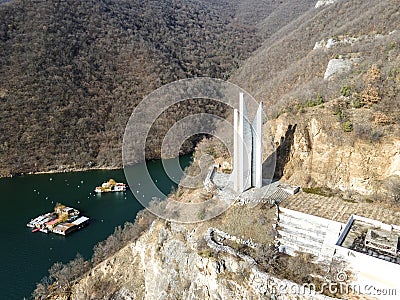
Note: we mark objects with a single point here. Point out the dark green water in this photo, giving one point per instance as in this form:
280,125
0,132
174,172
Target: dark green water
26,256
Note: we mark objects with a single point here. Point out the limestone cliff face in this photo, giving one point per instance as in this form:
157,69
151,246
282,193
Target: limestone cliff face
165,264
314,150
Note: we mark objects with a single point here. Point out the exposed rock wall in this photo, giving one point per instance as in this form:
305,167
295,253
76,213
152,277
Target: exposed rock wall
120,276
339,66
165,263
321,3
320,153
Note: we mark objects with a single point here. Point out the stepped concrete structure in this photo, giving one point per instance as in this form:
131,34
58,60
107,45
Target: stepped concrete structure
307,233
247,139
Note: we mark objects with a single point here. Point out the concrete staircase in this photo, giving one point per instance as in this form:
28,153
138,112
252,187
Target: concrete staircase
307,233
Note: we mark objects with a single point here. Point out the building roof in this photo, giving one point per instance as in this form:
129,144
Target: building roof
55,221
80,220
64,227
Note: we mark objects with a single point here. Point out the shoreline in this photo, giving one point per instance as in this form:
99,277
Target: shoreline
66,170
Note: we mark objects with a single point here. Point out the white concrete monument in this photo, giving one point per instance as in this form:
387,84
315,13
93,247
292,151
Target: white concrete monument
247,157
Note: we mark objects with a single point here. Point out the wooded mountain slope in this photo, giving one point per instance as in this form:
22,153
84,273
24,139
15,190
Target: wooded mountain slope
287,71
72,71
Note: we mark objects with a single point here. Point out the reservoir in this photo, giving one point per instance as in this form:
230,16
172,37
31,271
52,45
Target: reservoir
26,256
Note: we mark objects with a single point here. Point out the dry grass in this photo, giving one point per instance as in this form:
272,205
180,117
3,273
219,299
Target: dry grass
246,222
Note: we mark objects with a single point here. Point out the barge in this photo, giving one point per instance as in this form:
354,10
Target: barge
111,186
63,220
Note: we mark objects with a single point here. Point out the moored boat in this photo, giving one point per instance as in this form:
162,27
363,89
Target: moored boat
111,186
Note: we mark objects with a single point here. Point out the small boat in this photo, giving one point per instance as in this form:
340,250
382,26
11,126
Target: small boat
36,229
111,186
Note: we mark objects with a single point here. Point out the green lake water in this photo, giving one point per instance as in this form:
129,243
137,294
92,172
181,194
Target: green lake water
26,256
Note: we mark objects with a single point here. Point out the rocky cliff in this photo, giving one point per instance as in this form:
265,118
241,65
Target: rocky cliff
169,262
165,264
315,148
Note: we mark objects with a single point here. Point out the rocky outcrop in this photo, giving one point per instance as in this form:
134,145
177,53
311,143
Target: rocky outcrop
322,3
339,65
320,153
332,42
166,263
349,40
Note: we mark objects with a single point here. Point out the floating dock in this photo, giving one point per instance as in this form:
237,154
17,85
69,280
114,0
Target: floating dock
63,220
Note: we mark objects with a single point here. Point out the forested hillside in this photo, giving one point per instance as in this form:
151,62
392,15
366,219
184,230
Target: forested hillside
287,72
72,71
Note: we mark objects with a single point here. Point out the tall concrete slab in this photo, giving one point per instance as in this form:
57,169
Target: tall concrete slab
236,146
247,160
256,174
246,131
